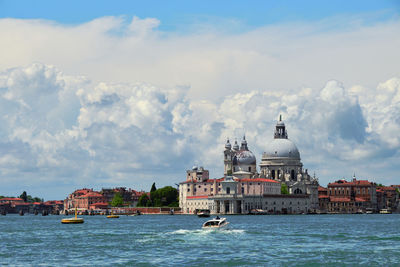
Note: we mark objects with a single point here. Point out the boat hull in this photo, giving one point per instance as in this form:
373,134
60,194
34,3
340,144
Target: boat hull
72,221
214,227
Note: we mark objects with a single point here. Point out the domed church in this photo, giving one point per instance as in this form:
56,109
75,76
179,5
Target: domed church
281,162
239,162
243,190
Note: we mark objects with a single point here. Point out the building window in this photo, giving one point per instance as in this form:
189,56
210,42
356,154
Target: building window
188,189
249,169
242,190
212,189
219,189
228,190
205,189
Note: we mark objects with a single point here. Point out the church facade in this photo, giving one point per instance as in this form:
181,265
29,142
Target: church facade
243,190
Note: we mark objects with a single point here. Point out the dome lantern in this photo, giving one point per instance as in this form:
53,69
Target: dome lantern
236,146
280,131
244,144
228,145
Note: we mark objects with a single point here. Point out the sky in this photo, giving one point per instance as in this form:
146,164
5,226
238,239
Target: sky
98,94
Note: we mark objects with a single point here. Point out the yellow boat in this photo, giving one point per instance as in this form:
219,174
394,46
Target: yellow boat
73,220
112,216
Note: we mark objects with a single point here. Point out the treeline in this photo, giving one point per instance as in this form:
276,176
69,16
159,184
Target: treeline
163,197
27,198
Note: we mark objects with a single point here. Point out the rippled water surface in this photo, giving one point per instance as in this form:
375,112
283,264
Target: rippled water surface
163,240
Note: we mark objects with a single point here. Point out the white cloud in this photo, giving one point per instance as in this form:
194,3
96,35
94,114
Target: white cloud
122,132
139,104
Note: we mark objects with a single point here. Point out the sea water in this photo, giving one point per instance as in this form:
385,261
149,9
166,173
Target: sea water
165,240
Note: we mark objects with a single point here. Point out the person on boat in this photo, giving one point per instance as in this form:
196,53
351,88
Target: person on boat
217,217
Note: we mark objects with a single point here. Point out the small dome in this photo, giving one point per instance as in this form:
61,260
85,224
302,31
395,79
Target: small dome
228,145
282,148
194,168
245,157
280,123
236,146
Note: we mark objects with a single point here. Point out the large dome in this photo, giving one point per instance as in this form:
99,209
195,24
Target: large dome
245,157
282,148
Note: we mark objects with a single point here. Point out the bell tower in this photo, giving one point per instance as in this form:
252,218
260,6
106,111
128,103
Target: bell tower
228,154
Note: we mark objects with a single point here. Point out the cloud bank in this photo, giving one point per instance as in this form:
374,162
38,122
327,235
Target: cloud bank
60,129
117,102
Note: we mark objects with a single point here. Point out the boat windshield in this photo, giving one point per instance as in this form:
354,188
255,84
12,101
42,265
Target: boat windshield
211,223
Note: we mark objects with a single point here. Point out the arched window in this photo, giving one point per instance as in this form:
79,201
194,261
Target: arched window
228,190
298,191
249,169
292,175
273,174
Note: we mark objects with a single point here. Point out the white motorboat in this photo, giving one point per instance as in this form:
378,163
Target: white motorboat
215,223
203,213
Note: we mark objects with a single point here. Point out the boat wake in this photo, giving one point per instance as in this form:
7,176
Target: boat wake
206,231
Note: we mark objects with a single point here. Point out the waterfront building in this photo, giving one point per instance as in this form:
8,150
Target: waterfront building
352,197
84,199
16,205
243,190
387,198
128,195
323,199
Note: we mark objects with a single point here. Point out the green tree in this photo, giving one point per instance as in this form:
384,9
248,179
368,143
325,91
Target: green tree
143,200
152,196
24,196
153,188
36,199
284,189
166,196
117,200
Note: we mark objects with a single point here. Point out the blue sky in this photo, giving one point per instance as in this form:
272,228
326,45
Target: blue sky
94,94
173,14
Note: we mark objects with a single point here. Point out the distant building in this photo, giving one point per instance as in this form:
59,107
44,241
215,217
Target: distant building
129,196
86,199
243,190
83,199
323,199
351,197
387,198
16,205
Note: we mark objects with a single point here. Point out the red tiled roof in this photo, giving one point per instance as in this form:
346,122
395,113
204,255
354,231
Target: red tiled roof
36,203
100,204
387,188
359,199
257,180
195,197
339,199
92,194
323,196
320,188
22,204
345,183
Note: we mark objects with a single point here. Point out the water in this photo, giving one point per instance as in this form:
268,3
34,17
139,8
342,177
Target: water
163,240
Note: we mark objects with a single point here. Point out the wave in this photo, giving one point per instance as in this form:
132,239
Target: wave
207,231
